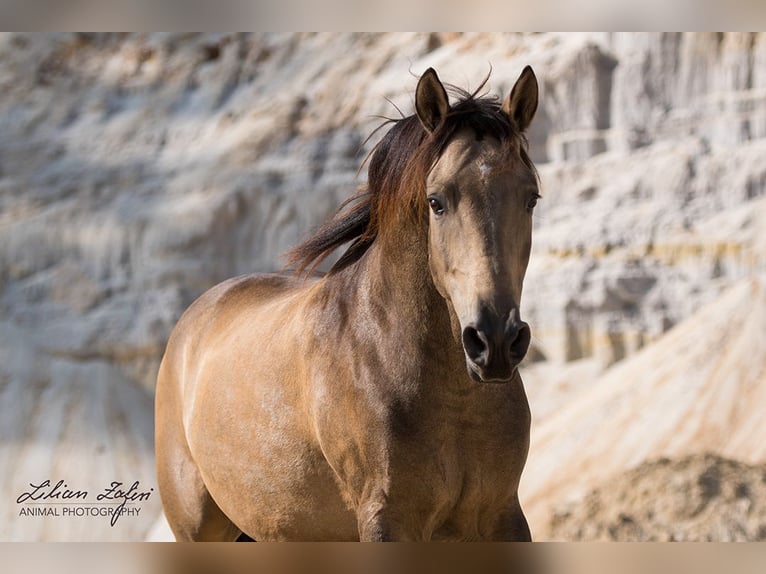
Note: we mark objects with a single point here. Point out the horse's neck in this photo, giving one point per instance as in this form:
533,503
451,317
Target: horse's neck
396,298
396,275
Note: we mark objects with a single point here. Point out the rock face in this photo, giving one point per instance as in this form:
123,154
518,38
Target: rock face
682,129
138,170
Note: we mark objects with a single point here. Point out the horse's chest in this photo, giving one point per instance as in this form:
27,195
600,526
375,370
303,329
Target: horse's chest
432,464
475,463
462,472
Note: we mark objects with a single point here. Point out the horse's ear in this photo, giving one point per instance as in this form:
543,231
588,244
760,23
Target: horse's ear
431,102
521,105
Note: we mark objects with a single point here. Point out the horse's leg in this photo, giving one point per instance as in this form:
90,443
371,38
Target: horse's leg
191,512
377,523
373,526
513,526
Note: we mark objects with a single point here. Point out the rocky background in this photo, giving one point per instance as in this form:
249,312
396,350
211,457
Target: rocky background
138,170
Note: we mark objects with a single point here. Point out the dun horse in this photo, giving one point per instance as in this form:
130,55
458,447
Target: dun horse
381,401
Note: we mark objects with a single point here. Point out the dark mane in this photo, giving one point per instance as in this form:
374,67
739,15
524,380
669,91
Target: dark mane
395,189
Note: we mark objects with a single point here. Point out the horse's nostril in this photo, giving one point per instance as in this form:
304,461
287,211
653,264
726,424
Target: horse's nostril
476,346
521,341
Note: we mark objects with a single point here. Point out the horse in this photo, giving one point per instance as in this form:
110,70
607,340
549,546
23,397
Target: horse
380,400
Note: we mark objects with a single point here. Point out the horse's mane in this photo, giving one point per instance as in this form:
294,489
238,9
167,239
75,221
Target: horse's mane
398,167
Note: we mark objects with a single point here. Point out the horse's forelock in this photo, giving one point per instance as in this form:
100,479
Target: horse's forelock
401,162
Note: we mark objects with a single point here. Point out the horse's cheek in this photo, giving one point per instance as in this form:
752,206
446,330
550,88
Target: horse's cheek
438,265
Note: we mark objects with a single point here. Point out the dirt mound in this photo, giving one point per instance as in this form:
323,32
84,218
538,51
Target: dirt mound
697,498
700,388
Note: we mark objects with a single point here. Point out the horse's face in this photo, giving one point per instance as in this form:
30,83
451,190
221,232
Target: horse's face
480,234
481,197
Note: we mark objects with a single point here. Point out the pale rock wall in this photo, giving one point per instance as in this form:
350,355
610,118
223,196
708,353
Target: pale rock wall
671,136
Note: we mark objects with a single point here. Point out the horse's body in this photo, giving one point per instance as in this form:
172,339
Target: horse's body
381,401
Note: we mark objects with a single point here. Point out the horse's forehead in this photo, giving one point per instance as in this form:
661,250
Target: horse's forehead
466,152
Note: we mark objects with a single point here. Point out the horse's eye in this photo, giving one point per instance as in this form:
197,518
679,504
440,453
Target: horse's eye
436,205
531,203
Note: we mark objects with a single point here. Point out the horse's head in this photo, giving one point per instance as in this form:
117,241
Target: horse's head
481,191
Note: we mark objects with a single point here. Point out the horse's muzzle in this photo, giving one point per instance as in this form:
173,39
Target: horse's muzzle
494,348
